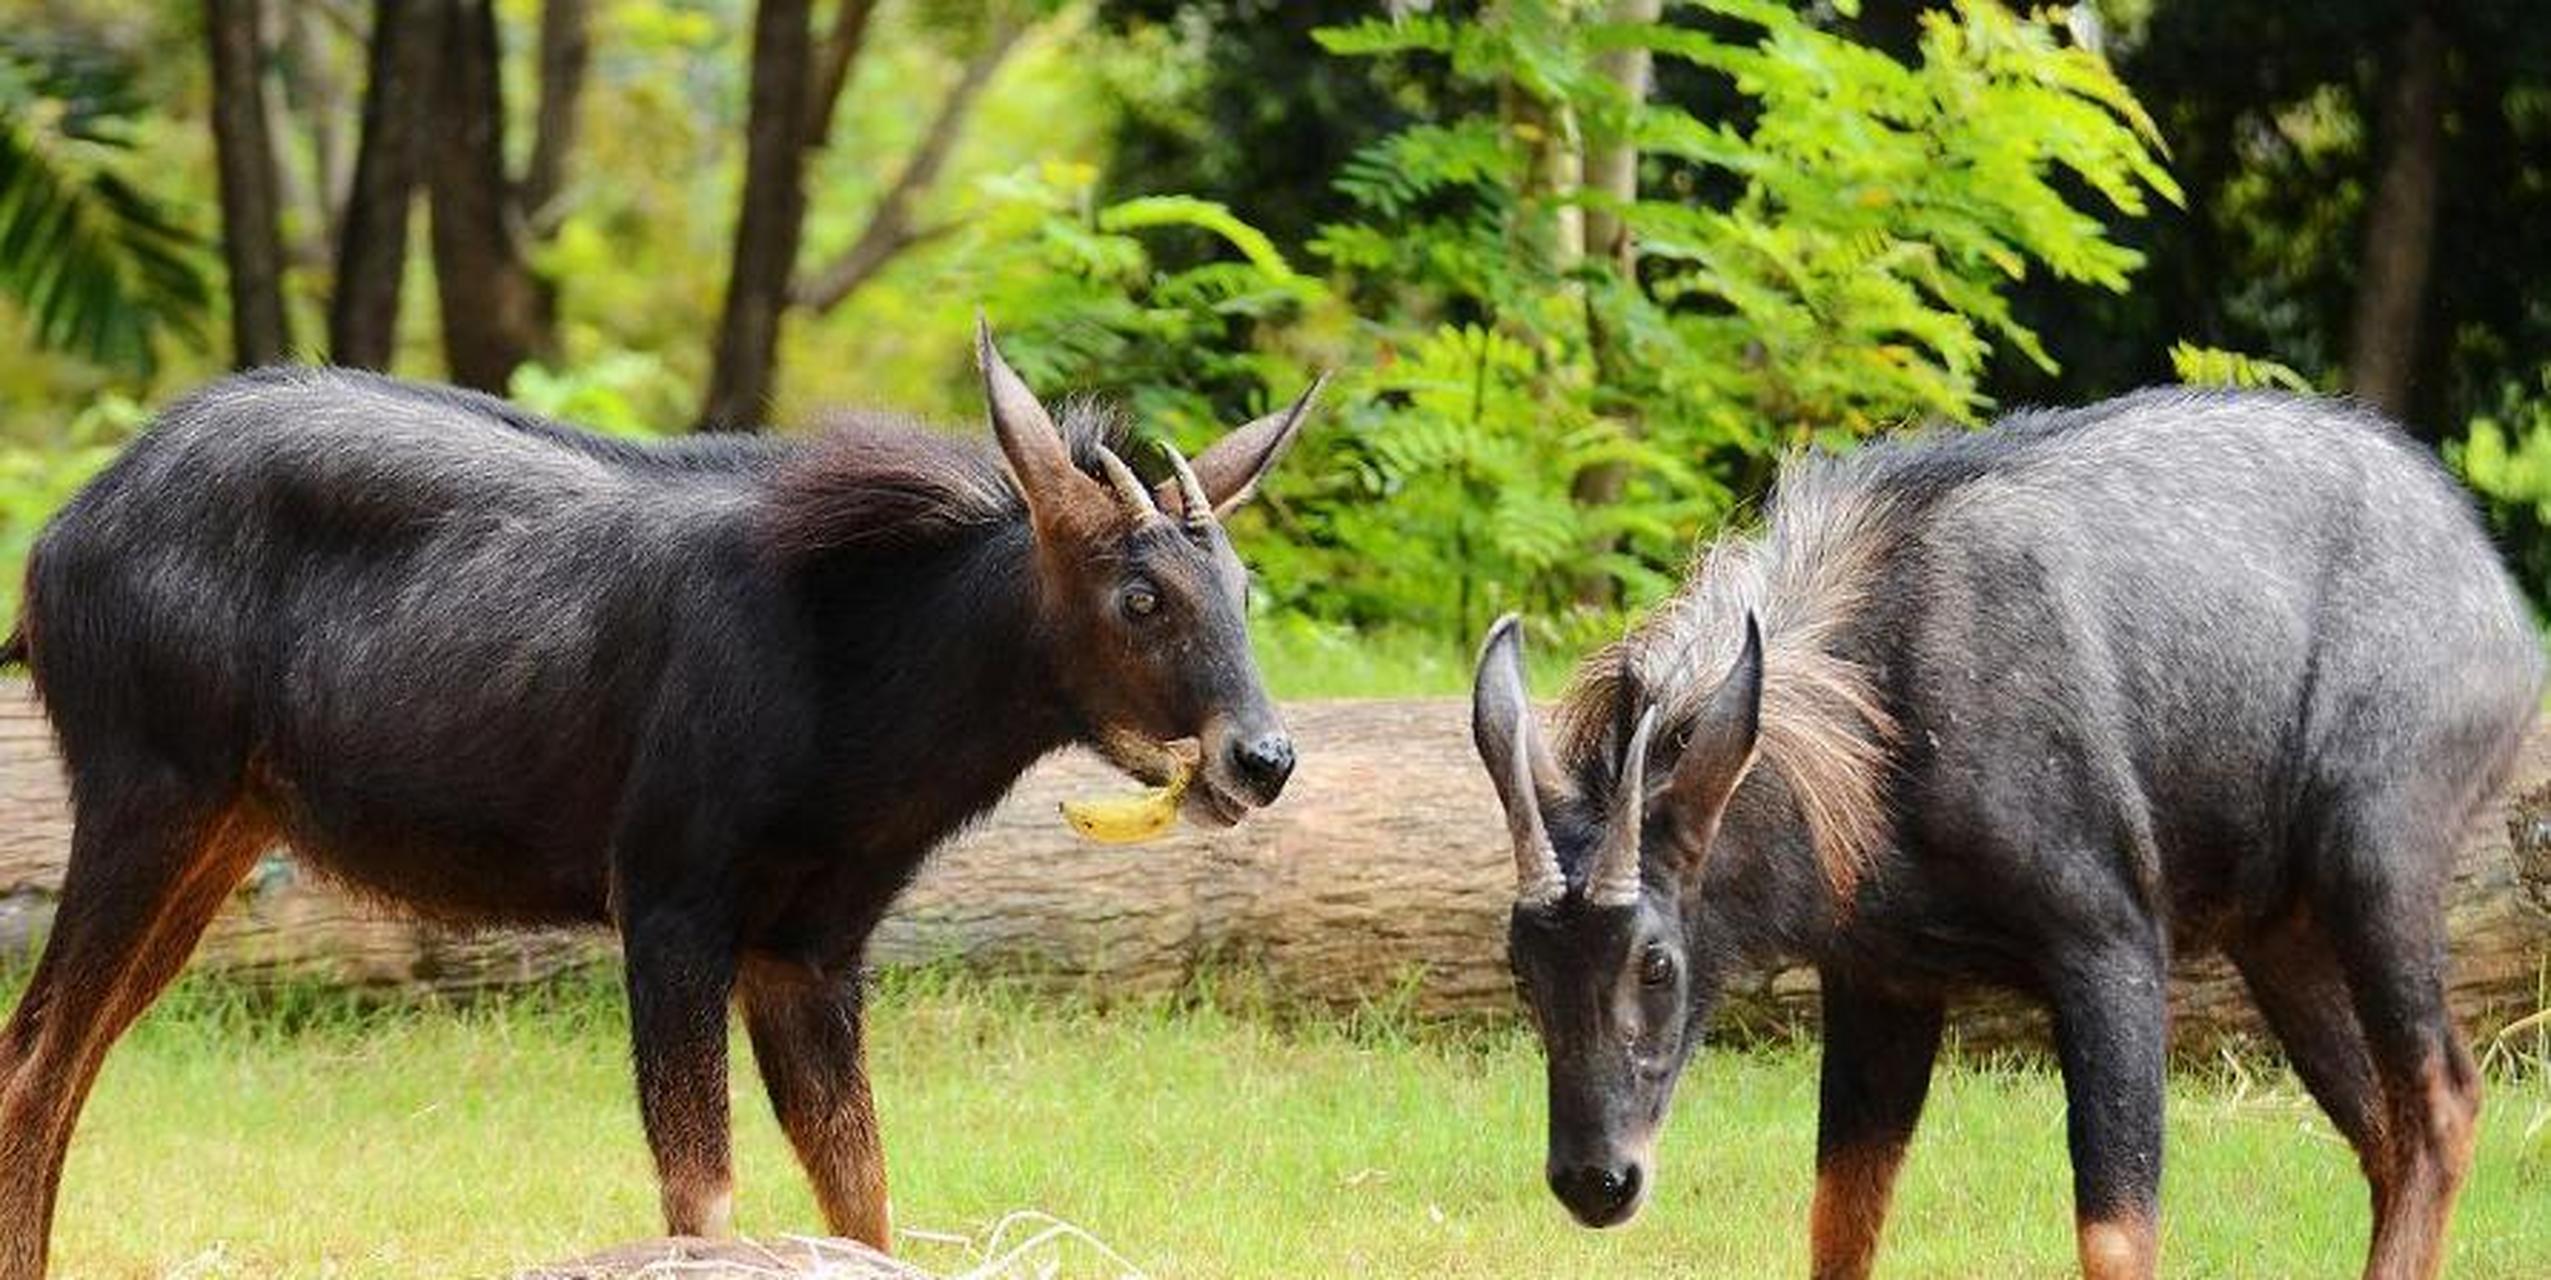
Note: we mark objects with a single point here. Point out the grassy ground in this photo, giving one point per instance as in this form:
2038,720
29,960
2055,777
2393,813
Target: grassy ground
312,1138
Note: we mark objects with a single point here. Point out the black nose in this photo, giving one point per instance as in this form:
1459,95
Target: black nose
1264,762
1600,1196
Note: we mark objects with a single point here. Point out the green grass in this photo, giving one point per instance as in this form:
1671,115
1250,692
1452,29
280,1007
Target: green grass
1304,658
238,1137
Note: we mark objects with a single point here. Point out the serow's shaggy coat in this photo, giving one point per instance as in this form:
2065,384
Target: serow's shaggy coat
722,696
2038,707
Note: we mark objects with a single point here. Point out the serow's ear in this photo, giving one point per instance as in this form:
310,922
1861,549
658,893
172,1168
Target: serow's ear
1233,466
1509,741
1039,459
1717,754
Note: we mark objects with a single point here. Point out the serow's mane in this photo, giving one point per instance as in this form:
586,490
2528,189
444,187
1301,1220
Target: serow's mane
1825,730
872,482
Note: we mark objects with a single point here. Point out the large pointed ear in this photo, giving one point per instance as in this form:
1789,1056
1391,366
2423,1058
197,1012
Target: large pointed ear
1233,466
1039,458
1510,744
1717,754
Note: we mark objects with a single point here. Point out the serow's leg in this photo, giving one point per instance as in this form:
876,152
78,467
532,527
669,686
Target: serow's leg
805,1026
2111,1025
681,972
150,865
2389,939
1877,1070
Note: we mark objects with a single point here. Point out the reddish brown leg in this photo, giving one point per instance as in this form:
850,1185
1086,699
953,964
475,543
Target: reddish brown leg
2430,1116
2294,976
805,1027
2295,980
147,873
2121,1247
2385,927
1876,1072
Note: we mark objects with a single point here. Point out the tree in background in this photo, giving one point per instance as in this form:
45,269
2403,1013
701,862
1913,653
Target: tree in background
781,129
2365,178
403,52
496,312
1248,111
2329,152
434,119
251,239
1581,318
2389,317
1579,306
797,84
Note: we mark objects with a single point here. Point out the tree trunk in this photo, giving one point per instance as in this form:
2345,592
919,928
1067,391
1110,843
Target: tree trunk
2400,225
313,93
363,316
890,228
1383,875
762,285
767,227
1612,150
1612,180
566,49
493,310
1550,232
251,243
833,65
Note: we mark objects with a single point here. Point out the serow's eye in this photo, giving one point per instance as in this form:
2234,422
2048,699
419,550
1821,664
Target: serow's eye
1141,601
1656,968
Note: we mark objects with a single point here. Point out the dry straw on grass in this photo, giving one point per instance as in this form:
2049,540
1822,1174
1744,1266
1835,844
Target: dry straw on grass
1021,1246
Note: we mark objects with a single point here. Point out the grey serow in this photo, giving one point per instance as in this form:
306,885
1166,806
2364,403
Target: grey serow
723,696
2038,707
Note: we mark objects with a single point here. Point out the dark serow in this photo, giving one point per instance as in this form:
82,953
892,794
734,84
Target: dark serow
722,695
2039,707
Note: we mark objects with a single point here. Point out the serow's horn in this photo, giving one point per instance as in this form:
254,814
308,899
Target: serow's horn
1191,491
1615,882
1129,488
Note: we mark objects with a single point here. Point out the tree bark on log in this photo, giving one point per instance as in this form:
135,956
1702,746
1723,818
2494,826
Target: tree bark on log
1382,876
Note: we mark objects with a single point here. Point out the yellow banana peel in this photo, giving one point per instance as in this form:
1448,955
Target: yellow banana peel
1148,814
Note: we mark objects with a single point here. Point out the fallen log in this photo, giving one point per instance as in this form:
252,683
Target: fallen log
1383,876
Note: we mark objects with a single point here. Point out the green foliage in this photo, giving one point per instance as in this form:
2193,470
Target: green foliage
2215,367
623,393
1532,427
1830,241
1084,301
2507,461
1518,423
100,266
35,480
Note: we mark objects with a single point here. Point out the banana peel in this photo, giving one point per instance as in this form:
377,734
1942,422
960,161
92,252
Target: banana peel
1148,814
